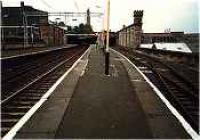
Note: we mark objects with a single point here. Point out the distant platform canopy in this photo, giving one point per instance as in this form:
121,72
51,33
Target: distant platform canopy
175,47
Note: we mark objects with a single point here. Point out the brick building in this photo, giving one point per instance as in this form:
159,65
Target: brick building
162,37
30,25
17,22
130,36
52,35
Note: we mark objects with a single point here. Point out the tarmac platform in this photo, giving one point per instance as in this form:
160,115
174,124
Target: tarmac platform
10,53
89,104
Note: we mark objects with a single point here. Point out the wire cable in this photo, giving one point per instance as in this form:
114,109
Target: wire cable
46,4
76,5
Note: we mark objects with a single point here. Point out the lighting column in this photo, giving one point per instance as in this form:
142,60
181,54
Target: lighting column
107,54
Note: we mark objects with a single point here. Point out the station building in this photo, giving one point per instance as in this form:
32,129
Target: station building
130,36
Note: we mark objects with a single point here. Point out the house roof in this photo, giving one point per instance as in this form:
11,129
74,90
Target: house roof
175,47
18,10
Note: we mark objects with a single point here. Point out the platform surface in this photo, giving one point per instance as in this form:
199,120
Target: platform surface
28,51
104,106
121,105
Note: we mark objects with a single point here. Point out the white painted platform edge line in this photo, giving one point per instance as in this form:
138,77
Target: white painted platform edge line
84,68
33,53
28,115
180,118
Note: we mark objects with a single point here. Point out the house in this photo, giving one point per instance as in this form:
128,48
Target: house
24,26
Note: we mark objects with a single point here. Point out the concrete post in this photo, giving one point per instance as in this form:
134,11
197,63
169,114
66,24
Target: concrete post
107,55
1,32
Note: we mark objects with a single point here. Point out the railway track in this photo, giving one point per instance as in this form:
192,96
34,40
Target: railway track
17,73
183,72
176,83
15,105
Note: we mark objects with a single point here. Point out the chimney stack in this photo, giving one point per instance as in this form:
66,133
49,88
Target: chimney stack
22,3
138,15
88,17
124,26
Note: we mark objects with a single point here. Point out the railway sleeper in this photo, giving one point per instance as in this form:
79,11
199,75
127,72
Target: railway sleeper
186,100
16,108
8,122
21,103
31,97
34,91
4,130
12,114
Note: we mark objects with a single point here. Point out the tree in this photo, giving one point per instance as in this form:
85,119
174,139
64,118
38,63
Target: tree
88,29
69,28
76,30
61,24
81,29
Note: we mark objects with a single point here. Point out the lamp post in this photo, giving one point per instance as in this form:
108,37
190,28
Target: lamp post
1,32
24,24
107,54
32,35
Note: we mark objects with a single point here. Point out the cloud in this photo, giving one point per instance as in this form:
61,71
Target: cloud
180,15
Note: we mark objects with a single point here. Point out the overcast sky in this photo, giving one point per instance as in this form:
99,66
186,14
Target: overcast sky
178,15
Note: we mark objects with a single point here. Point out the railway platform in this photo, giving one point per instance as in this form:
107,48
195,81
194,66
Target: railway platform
89,104
9,53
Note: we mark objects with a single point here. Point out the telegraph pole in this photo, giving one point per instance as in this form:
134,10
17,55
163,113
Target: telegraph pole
1,32
107,54
31,36
24,23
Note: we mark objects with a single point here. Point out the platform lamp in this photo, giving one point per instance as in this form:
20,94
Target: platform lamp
107,54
